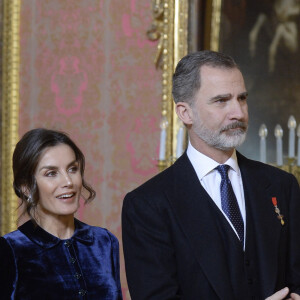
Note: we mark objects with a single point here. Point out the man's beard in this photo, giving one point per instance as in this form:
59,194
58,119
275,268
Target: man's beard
223,139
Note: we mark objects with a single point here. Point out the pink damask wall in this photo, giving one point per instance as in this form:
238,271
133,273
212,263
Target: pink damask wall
87,69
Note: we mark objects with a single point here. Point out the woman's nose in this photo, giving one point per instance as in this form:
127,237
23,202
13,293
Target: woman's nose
67,180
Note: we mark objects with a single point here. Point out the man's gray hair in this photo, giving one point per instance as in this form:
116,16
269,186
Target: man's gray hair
186,79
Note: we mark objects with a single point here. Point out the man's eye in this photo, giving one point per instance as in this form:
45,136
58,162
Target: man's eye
243,98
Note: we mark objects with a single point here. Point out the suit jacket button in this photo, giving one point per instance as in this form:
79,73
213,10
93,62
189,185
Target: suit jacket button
247,262
250,281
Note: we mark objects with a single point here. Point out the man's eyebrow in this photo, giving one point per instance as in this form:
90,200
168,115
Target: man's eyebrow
221,96
226,96
245,94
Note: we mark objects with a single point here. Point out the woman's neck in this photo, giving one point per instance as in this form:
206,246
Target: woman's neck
62,226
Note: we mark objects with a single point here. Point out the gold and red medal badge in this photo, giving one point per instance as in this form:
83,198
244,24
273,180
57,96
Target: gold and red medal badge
277,210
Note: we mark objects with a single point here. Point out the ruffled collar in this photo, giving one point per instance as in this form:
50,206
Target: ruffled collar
46,240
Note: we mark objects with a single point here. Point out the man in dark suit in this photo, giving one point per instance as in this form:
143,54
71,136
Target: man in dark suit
215,225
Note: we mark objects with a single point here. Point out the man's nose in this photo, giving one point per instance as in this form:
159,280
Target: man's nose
238,109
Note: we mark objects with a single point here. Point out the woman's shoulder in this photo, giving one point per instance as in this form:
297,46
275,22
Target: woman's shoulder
97,231
15,235
11,236
15,242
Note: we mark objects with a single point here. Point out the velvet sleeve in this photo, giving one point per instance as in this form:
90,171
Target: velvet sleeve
8,272
116,262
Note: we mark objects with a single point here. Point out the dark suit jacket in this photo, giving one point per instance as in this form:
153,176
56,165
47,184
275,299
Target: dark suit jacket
173,249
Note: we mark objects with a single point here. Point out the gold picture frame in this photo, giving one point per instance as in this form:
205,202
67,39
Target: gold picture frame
10,110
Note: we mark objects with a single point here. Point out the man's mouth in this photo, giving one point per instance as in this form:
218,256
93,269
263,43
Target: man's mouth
236,125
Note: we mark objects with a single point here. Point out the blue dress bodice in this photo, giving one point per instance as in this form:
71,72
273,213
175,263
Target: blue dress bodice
37,265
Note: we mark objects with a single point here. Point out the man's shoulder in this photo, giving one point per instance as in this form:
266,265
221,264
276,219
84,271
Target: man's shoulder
260,169
158,181
163,180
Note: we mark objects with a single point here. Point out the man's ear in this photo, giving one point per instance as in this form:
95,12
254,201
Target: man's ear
184,112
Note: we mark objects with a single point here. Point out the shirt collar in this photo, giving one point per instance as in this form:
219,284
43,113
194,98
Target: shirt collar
204,164
46,240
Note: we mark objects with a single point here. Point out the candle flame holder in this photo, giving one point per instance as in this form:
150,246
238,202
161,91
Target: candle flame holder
292,163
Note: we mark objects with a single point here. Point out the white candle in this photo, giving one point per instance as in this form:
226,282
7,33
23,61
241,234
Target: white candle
279,160
278,134
163,138
179,146
263,132
292,125
162,145
298,156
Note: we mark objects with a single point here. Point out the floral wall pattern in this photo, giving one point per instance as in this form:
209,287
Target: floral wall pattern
87,69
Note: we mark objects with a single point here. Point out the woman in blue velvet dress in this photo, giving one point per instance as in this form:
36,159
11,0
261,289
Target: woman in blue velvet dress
54,255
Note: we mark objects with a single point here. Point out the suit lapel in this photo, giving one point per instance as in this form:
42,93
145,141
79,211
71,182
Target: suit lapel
191,206
266,226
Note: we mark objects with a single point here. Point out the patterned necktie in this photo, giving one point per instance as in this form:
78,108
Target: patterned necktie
229,202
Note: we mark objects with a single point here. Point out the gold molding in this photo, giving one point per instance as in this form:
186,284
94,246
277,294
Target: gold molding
215,25
172,46
180,50
167,68
10,110
156,29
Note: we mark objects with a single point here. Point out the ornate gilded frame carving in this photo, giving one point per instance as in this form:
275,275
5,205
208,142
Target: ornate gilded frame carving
10,110
215,24
170,28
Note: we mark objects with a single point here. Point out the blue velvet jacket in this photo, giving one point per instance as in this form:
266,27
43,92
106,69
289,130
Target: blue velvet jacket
37,265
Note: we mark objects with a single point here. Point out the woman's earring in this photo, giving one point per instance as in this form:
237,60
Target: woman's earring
29,199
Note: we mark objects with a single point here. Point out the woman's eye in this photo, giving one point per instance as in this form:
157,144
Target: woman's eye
50,174
73,169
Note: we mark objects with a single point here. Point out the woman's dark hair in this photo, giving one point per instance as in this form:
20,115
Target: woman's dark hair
26,157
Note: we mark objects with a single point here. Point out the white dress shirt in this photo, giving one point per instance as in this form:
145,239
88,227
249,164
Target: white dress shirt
210,179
